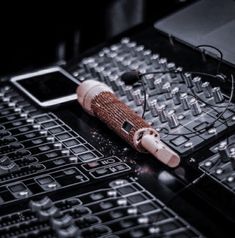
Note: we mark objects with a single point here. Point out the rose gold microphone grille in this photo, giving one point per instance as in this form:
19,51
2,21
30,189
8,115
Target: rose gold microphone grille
118,116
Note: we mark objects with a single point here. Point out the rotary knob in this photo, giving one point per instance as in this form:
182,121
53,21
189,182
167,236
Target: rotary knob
195,107
218,96
161,110
198,84
176,96
137,97
153,108
172,119
167,90
188,80
207,89
184,101
158,85
223,151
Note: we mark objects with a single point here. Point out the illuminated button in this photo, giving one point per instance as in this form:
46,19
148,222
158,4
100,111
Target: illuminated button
230,179
188,144
112,193
219,171
122,202
154,230
132,211
208,164
212,131
143,220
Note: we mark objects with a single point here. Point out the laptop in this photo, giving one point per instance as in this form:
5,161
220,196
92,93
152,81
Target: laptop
204,22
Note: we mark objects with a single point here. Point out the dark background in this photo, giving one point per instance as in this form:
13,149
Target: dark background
39,35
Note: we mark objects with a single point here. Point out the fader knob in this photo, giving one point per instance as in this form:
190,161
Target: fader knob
172,119
195,107
5,161
44,203
218,96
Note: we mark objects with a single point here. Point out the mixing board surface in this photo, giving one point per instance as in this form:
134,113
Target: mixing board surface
65,174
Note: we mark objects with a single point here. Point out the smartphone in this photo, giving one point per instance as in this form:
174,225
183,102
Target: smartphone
47,87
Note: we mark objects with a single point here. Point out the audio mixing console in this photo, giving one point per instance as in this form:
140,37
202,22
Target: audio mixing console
65,174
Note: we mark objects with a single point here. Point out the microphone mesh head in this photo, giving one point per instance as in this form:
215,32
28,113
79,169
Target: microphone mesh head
131,77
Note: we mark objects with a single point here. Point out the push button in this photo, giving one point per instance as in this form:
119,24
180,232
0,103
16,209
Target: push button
79,149
179,140
87,156
96,196
19,190
70,143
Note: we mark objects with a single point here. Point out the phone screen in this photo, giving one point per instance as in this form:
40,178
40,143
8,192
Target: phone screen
49,86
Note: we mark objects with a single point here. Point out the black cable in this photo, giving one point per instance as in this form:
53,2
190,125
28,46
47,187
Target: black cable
230,99
186,187
195,181
145,99
218,50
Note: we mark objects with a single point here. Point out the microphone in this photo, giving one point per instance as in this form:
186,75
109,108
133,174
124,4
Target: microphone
99,100
131,77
